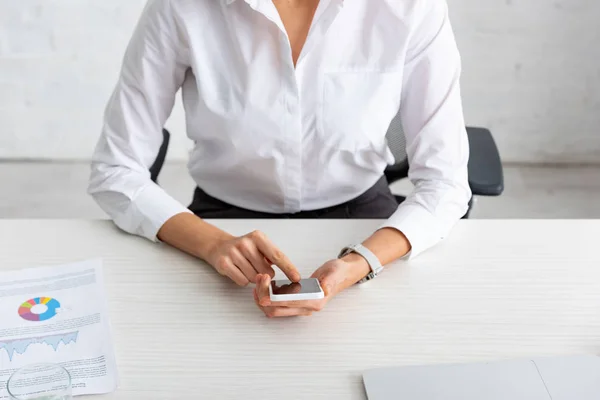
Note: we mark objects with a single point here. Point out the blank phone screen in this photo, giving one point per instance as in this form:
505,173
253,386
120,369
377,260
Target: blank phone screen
302,287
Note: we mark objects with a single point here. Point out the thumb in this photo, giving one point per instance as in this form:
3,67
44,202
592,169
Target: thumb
327,285
328,278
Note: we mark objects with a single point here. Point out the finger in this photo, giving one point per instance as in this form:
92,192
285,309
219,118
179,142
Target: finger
326,280
313,305
279,312
243,265
276,256
269,270
257,301
272,311
262,289
228,269
255,295
249,250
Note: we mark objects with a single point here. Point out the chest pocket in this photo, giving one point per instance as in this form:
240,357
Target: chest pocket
357,107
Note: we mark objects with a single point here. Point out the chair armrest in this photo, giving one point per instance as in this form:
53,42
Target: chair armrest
160,158
396,172
486,177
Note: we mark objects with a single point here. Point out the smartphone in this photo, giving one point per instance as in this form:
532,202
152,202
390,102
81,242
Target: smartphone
306,289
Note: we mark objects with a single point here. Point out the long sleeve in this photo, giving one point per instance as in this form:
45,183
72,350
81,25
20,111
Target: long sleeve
436,138
153,70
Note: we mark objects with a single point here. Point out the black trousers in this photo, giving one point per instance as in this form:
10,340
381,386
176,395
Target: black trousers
377,203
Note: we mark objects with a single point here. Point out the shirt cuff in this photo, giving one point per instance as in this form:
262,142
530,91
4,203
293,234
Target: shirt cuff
418,225
155,207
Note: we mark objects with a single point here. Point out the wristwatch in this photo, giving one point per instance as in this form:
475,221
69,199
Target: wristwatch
372,260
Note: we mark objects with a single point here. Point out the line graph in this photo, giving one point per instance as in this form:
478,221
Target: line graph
20,346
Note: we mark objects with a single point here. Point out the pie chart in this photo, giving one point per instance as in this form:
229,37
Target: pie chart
39,309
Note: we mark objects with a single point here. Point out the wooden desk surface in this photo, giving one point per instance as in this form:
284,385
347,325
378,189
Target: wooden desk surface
493,290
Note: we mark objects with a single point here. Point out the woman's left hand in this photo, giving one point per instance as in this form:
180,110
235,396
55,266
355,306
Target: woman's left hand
334,276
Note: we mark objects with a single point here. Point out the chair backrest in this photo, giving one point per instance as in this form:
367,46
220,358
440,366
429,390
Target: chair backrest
396,141
397,144
160,158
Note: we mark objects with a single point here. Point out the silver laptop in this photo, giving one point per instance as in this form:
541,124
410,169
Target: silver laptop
558,378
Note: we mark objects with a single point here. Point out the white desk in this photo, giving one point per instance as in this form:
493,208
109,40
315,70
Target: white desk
493,290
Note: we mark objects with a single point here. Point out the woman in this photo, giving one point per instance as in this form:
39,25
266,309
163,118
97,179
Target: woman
288,103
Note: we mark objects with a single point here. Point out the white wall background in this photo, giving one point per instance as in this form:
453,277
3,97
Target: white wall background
531,74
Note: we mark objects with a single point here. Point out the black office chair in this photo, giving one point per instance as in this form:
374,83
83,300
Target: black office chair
486,177
485,169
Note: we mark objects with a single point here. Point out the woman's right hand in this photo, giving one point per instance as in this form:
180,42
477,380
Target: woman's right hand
239,258
243,258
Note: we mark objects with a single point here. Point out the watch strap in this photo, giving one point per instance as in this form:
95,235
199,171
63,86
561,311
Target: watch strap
372,260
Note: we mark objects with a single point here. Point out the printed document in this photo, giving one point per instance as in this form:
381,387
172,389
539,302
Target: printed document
57,315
